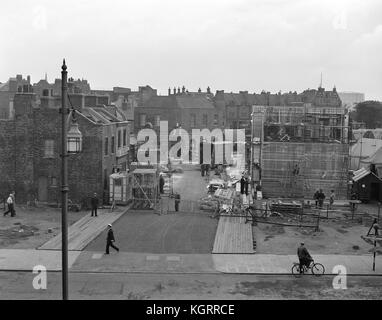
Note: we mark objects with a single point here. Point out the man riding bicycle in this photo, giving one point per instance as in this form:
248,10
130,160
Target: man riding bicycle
304,257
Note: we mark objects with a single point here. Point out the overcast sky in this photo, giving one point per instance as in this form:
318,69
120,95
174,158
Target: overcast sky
225,44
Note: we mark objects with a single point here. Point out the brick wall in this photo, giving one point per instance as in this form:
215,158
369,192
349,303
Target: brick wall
25,168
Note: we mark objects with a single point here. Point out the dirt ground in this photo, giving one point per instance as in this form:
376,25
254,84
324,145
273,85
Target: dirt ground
335,236
32,226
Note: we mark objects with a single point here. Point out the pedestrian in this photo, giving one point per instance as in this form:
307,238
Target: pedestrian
10,204
161,184
315,197
242,184
374,226
177,201
331,199
13,195
321,198
110,240
94,204
246,183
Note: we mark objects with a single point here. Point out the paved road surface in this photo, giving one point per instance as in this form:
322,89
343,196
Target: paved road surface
18,285
140,231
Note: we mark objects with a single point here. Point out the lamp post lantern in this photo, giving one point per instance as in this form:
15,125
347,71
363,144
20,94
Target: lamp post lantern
71,142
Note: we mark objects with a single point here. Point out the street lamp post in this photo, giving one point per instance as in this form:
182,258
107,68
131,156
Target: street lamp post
64,182
71,143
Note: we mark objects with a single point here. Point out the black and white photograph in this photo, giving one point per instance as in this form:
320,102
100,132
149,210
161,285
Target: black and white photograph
208,152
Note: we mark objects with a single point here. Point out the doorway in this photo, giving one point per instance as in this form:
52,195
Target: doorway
43,189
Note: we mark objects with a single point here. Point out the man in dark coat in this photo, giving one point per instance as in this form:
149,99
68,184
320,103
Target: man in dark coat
94,203
177,201
321,198
110,239
161,184
242,185
246,183
304,256
316,197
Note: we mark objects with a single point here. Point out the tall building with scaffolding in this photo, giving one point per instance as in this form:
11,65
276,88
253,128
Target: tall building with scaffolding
303,147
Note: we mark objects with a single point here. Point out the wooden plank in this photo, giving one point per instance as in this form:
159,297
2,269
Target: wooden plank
233,235
82,232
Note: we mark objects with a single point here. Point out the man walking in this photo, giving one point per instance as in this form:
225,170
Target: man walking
94,204
13,195
110,240
10,206
374,226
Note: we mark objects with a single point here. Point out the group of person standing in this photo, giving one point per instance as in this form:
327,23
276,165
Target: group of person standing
244,183
11,204
319,198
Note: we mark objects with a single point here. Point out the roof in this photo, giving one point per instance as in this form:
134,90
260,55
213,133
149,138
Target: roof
362,173
162,102
375,158
365,147
99,115
194,101
4,86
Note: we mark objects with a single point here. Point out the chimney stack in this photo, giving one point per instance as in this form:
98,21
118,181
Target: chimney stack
169,91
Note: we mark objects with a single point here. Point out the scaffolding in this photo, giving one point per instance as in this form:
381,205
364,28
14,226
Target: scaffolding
145,187
304,149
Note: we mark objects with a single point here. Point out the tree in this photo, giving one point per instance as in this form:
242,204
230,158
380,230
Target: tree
369,112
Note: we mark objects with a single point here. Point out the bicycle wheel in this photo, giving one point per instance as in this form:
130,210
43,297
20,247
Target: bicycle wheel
318,269
296,271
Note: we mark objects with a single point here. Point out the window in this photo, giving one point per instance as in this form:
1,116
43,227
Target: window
105,179
157,120
119,140
193,120
216,119
49,149
142,119
124,137
53,182
205,120
112,144
106,146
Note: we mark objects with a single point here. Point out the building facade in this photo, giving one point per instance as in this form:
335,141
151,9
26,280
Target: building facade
30,160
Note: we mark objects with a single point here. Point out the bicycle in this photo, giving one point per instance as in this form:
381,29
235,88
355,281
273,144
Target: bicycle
317,269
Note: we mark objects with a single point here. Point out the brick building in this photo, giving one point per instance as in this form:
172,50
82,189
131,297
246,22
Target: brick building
181,108
8,91
30,162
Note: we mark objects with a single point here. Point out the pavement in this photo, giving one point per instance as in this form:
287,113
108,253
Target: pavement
27,259
125,262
